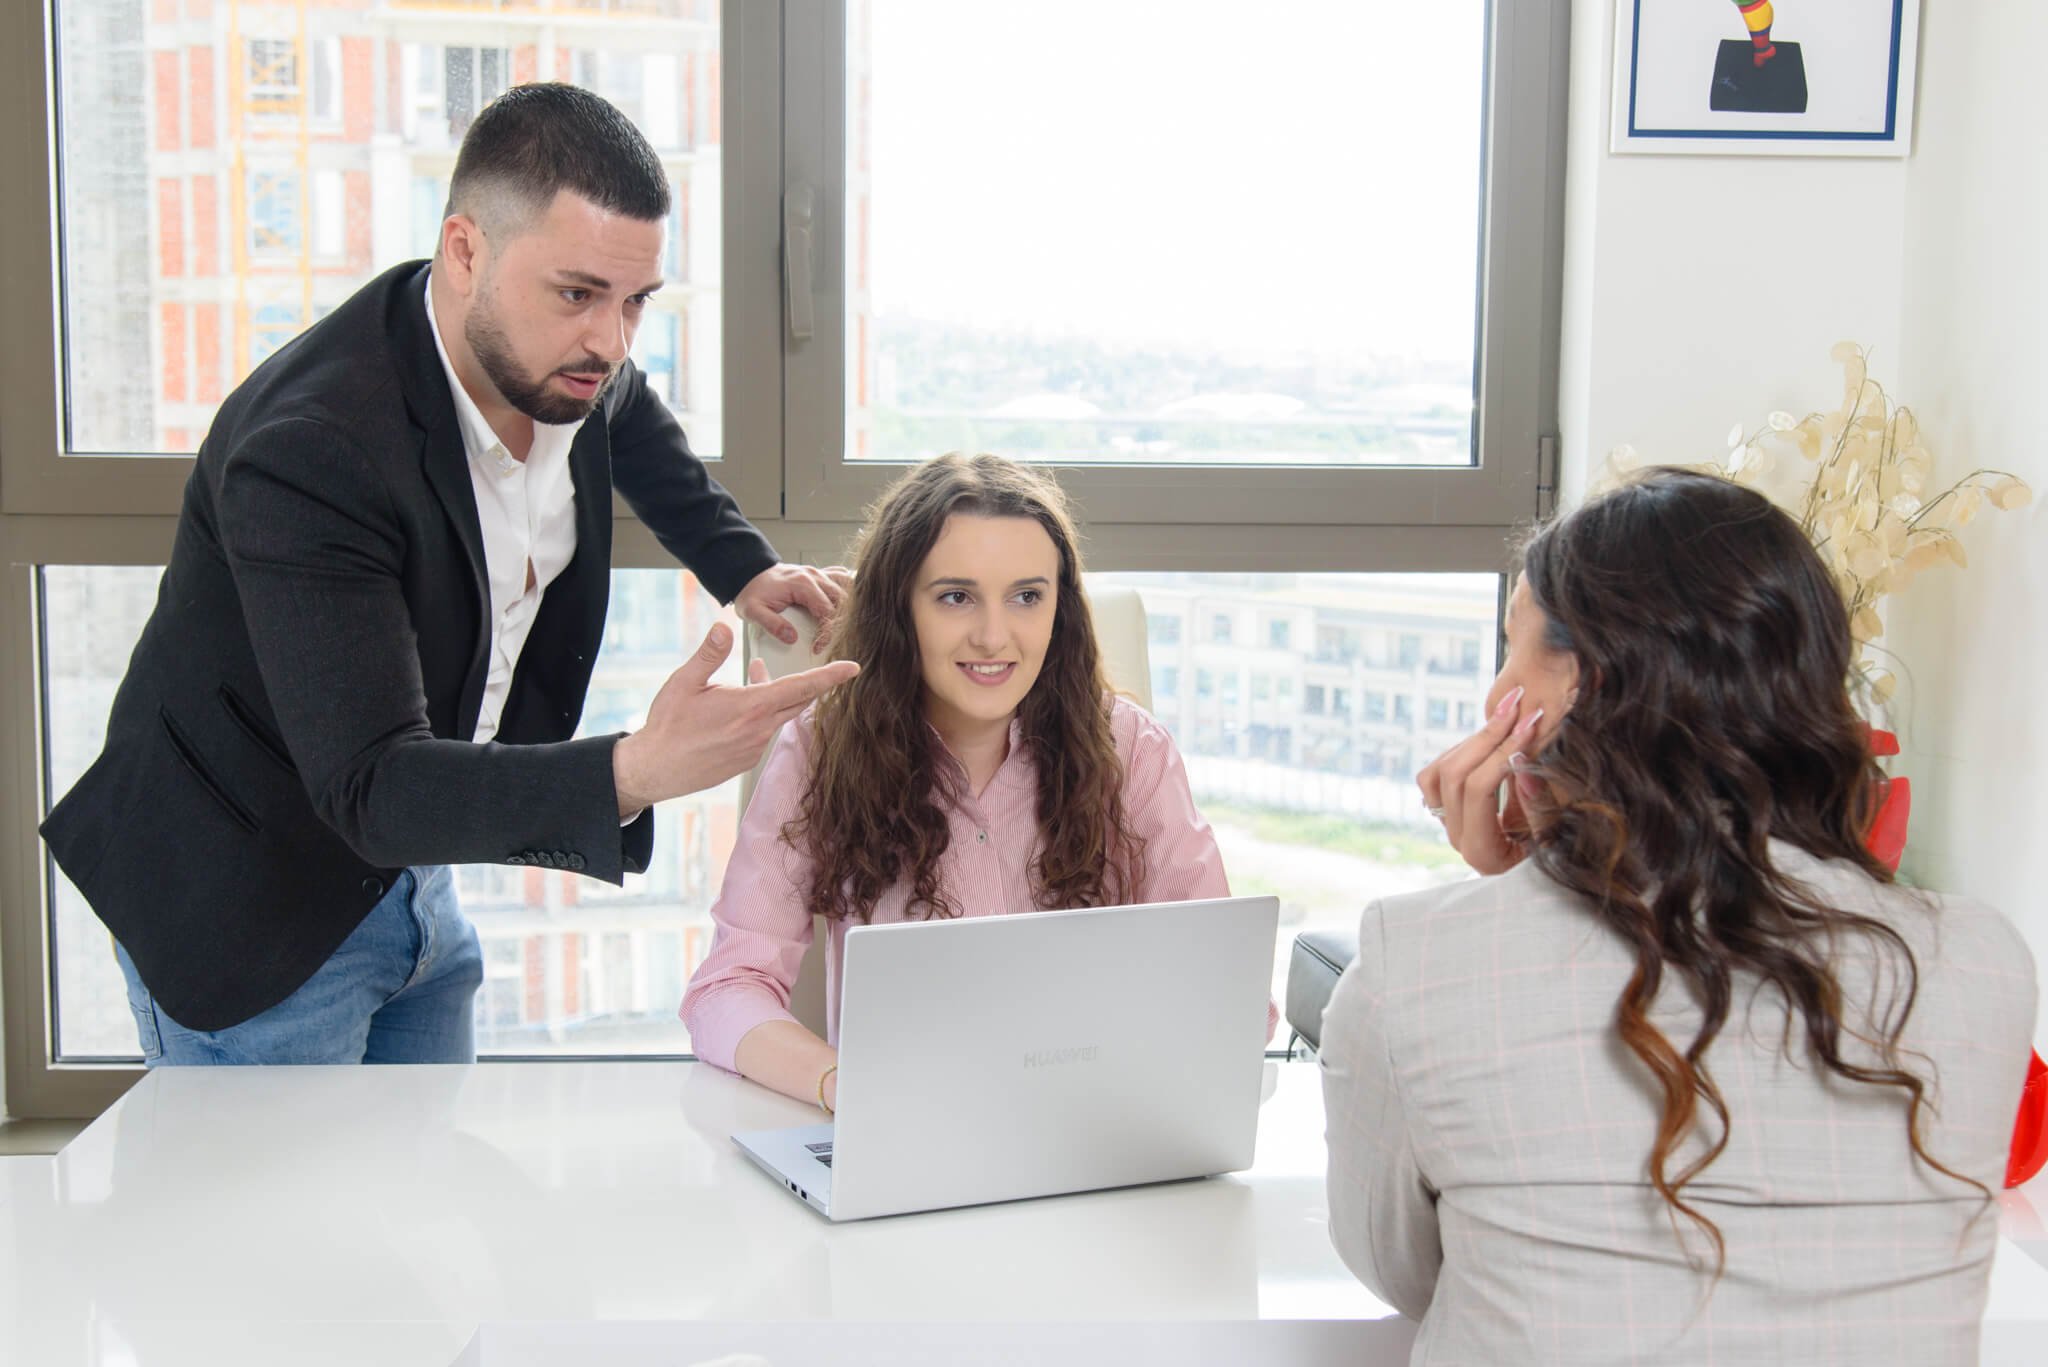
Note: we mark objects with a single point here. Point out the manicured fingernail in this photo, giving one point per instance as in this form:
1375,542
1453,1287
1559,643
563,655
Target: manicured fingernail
1518,760
1507,704
1529,722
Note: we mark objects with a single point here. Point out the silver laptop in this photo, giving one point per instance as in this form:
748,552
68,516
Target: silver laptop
1002,1057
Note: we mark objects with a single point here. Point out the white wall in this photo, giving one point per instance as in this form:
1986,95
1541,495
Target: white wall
1974,330
1703,290
1700,291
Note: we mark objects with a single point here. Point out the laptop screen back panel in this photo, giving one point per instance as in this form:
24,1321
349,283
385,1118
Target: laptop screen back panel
989,1059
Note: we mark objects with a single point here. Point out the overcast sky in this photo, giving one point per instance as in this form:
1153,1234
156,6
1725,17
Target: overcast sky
1298,175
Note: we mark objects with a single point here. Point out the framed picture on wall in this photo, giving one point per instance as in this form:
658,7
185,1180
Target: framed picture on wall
1773,77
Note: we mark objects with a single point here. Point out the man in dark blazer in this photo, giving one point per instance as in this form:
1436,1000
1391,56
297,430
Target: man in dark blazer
372,641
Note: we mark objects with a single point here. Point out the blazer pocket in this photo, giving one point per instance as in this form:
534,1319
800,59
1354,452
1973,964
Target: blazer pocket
261,736
238,813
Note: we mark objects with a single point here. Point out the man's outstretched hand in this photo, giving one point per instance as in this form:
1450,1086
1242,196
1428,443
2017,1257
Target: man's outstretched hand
699,733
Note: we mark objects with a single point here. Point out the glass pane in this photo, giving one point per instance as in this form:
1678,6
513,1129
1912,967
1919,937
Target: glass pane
1163,232
571,965
91,616
232,171
1303,705
576,966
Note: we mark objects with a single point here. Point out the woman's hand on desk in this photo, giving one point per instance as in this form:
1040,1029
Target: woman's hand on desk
790,1059
1462,789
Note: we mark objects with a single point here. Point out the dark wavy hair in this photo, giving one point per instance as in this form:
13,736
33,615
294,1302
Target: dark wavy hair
874,811
1713,715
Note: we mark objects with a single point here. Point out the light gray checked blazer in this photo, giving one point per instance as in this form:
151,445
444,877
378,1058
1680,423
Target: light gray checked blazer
1489,1140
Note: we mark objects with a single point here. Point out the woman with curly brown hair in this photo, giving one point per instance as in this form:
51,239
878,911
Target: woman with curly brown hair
1689,1078
978,765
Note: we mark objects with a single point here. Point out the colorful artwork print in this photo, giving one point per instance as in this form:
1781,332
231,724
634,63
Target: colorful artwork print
1790,77
1757,16
1758,76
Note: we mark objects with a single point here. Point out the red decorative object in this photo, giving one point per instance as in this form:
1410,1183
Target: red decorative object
1887,840
2030,1136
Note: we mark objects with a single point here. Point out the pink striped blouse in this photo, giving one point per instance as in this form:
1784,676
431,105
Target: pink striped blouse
763,928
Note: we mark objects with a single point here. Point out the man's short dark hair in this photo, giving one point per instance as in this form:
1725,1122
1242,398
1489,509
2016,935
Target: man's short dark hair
534,141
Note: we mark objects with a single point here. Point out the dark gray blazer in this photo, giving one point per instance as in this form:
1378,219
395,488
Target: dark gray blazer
294,726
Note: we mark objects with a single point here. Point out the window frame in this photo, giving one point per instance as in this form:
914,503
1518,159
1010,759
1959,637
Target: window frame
121,509
1519,287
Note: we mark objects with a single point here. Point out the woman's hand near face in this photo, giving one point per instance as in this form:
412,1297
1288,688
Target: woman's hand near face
1462,788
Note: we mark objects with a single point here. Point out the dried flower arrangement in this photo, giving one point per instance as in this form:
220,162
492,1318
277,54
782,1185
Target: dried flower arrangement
1865,507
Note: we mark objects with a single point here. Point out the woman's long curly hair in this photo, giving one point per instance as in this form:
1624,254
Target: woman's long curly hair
874,812
1712,716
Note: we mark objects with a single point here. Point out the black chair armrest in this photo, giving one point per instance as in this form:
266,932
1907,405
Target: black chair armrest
1319,957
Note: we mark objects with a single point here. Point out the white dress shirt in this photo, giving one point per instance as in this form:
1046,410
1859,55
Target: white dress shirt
528,513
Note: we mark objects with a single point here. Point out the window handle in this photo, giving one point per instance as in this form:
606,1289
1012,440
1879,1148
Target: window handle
796,260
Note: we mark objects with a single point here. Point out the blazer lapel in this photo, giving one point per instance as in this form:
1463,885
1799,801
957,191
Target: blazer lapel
446,466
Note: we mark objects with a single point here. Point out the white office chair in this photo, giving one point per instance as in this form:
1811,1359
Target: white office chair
1119,614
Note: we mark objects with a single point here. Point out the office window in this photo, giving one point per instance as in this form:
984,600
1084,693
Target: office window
1276,633
1307,812
1165,682
1408,650
1439,713
1070,354
1375,706
163,296
1404,711
1230,687
1219,629
1468,656
1162,629
1260,396
1468,716
571,965
1205,683
206,176
1262,687
1285,688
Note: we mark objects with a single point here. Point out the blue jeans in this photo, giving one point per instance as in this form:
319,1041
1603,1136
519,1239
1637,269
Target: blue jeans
401,989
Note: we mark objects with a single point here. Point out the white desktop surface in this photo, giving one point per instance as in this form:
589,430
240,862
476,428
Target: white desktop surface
382,1215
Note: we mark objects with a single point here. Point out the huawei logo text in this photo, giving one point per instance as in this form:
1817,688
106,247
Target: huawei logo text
1052,1058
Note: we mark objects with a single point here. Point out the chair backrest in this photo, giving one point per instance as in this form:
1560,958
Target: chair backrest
1119,614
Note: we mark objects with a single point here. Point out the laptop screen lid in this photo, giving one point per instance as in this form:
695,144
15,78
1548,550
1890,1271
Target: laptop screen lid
992,1058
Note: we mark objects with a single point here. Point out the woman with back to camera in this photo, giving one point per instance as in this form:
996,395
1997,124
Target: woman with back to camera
978,765
1690,1079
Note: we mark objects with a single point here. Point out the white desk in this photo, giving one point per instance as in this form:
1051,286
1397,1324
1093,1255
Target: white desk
216,1218
222,1216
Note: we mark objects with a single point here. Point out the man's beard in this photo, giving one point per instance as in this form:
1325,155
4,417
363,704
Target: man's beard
493,351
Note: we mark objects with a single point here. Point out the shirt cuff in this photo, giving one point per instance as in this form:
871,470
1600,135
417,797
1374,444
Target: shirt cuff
717,1024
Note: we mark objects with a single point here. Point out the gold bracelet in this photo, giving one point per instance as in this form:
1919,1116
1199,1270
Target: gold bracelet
821,1088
